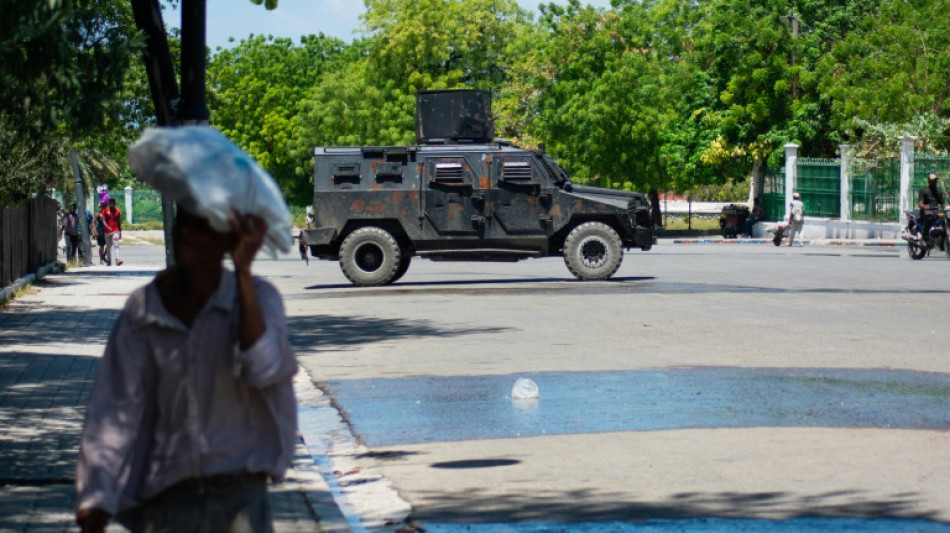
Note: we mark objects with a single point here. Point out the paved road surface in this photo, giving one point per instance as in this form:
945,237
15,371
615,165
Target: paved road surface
739,382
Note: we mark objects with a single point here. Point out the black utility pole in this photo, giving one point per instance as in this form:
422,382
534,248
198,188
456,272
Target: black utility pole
193,108
170,108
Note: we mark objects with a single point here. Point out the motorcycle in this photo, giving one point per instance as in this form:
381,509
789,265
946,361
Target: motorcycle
921,240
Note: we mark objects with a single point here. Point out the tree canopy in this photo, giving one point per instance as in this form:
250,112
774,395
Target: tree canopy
667,94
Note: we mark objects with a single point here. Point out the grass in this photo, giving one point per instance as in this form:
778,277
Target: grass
143,226
677,223
26,289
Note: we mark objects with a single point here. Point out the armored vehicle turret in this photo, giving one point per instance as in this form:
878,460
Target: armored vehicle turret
460,195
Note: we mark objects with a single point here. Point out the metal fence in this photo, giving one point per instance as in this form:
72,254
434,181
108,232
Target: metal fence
874,186
875,190
819,182
146,206
924,165
27,238
772,194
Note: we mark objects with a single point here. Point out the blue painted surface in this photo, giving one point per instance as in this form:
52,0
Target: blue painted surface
414,410
710,525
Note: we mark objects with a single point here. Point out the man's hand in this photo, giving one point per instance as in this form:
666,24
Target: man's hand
92,520
250,231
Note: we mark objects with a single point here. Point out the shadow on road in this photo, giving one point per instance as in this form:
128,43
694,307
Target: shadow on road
317,332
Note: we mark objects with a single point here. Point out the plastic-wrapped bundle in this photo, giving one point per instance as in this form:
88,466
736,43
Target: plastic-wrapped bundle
103,191
207,174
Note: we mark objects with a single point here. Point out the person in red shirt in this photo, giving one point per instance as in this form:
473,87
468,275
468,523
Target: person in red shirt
112,222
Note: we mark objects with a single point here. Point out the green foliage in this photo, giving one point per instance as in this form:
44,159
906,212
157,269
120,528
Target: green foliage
688,95
601,102
892,68
257,93
63,64
410,46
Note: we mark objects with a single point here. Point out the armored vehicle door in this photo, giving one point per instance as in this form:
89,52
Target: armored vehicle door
454,203
520,197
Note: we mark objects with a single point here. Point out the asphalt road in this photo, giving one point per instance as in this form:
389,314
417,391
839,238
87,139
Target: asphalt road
702,387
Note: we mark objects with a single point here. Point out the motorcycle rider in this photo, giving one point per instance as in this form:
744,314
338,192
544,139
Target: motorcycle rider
928,199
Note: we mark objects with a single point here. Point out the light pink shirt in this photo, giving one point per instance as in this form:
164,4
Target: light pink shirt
171,403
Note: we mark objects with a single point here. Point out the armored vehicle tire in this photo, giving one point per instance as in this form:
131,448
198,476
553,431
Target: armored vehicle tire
593,251
370,256
404,261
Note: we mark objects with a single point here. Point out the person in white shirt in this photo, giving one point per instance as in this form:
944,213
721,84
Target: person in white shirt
796,219
193,407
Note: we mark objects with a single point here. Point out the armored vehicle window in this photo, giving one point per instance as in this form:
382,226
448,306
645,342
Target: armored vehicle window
389,169
346,172
449,171
517,171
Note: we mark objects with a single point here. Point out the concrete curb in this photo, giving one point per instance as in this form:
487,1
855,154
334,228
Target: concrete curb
7,292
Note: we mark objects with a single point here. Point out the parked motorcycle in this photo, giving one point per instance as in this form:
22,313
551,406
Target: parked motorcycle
921,240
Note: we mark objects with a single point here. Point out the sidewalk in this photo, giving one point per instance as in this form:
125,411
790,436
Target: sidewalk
51,338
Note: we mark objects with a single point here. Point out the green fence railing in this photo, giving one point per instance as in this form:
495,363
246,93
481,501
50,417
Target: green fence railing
924,165
875,191
819,183
146,206
773,194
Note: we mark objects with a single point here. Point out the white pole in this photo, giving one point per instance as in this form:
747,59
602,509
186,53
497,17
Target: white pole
791,166
128,204
845,198
907,177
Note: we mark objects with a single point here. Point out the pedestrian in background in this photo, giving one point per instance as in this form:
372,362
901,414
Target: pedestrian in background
112,222
193,407
101,234
796,219
757,214
70,229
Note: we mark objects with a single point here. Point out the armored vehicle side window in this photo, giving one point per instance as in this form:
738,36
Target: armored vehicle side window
346,172
449,171
388,170
516,171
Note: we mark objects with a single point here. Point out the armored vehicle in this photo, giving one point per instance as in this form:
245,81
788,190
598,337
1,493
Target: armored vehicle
460,195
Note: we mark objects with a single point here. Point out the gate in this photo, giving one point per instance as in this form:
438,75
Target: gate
875,191
819,182
773,194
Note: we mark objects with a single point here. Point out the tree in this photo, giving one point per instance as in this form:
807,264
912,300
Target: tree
410,46
601,102
63,63
891,70
257,91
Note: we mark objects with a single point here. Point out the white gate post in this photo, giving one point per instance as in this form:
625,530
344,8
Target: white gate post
845,198
791,168
907,176
128,204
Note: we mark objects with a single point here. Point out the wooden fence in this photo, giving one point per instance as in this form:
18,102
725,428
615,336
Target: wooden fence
27,238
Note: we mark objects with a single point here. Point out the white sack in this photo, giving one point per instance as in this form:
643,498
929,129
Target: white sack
207,174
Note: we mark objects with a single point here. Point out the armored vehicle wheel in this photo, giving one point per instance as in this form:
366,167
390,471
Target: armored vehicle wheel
916,251
403,267
593,251
370,256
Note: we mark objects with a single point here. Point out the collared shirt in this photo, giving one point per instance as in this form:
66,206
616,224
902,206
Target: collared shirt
172,402
71,223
